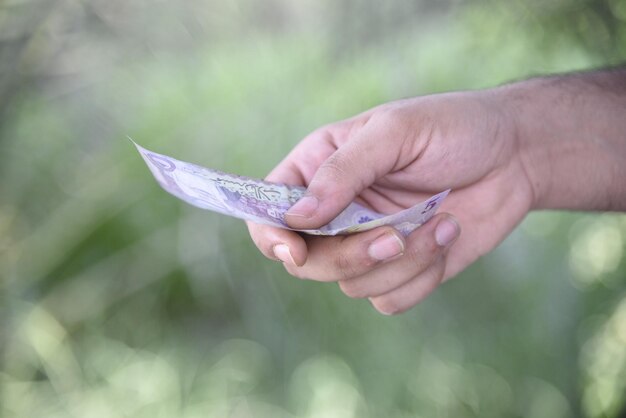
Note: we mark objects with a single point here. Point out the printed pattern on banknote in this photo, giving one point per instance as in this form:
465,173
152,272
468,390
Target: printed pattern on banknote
266,203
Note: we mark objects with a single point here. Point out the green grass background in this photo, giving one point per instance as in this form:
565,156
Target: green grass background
118,300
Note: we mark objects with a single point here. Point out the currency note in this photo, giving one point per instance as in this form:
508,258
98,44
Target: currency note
266,203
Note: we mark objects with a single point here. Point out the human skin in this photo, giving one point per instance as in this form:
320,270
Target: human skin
548,143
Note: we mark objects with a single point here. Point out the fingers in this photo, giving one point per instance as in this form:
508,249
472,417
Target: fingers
424,246
279,244
297,168
376,261
397,286
300,165
342,176
394,273
345,257
412,292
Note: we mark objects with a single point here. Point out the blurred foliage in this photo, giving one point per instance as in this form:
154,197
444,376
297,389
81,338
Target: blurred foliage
118,300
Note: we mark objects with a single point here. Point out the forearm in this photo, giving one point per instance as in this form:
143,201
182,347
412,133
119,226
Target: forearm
571,134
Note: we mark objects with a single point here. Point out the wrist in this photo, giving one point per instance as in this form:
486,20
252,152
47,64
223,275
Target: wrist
515,102
569,138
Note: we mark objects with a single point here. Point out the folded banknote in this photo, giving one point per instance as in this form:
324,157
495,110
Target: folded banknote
266,203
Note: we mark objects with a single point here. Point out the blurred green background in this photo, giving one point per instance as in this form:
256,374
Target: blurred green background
117,300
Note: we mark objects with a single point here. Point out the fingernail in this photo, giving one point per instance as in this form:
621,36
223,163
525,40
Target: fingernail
304,207
385,247
446,232
281,251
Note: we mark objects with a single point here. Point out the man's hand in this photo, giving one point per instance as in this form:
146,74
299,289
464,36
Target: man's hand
389,159
556,142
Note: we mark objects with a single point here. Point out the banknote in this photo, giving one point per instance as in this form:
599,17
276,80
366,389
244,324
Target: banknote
266,203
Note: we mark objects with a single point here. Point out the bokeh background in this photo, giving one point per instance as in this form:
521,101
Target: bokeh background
117,300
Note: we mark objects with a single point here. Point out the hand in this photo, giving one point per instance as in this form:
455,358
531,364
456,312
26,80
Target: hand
391,158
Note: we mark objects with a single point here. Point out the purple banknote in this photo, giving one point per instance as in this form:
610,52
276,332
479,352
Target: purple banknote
266,203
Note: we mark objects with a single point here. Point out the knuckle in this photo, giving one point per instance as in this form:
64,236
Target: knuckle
392,116
335,167
423,254
394,120
344,266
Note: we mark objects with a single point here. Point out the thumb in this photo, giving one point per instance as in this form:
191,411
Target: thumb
355,166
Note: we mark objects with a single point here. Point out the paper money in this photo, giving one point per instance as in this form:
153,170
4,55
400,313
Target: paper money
266,203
